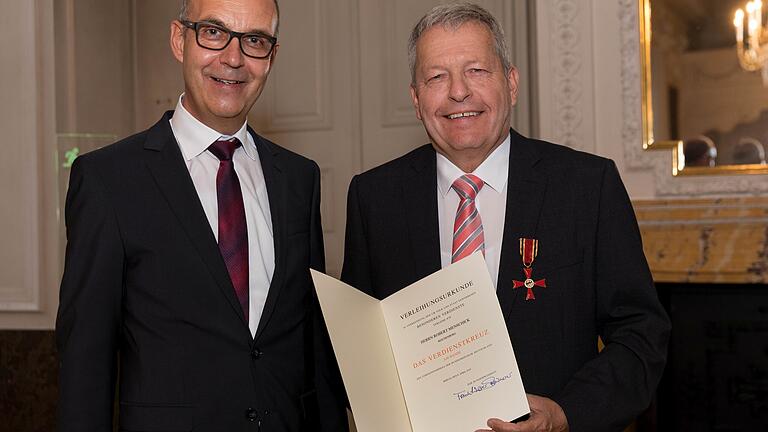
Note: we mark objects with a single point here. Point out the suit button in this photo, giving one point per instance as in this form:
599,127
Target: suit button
251,414
256,354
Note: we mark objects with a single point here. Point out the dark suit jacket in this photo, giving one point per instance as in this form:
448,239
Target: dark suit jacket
146,301
590,252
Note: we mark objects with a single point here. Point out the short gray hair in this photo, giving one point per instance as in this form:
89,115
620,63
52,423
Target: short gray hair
184,13
453,16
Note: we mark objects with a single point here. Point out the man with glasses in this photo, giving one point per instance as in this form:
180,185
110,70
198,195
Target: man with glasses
186,283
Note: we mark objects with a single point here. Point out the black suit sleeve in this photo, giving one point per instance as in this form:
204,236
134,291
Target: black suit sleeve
618,384
357,269
331,397
317,253
88,321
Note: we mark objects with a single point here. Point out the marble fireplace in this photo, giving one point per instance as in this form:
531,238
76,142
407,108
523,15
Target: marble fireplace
709,258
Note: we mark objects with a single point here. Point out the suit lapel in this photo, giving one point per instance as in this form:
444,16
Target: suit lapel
525,194
420,210
273,177
167,166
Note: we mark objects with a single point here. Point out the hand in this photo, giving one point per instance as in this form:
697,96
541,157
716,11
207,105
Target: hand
546,415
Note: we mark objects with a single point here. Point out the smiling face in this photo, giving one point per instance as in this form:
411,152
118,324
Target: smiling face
462,94
220,87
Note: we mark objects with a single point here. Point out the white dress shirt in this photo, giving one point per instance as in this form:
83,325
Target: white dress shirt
491,204
194,138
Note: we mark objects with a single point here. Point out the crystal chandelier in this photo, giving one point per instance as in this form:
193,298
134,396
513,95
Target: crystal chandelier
752,52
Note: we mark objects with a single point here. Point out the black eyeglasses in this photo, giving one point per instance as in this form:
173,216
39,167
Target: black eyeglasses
215,37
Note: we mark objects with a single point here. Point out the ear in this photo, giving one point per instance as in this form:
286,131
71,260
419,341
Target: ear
273,56
513,79
177,40
415,99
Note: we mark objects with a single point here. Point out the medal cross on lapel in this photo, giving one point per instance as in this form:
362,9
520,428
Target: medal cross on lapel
529,248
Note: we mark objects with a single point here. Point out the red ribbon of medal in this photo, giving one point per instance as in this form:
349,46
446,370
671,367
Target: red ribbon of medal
529,248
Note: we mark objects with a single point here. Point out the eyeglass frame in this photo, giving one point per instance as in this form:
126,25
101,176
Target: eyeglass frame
193,25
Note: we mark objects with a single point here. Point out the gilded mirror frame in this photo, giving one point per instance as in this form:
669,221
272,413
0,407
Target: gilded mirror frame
676,146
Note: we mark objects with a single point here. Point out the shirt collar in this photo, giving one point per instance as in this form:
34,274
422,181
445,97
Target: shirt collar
493,171
194,137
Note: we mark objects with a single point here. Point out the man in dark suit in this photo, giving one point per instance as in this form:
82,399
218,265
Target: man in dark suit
555,225
186,282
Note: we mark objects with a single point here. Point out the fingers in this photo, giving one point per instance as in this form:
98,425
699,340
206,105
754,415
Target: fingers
536,403
546,415
498,425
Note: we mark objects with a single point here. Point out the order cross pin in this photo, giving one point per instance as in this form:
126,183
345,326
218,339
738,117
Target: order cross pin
529,283
529,248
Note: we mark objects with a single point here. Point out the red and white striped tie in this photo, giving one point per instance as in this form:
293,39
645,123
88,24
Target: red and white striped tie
468,235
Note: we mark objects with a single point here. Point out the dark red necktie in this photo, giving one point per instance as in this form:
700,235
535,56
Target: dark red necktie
233,232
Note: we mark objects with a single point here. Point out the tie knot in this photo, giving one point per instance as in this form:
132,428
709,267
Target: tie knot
224,149
467,186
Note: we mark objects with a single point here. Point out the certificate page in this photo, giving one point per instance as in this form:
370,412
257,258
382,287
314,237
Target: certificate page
452,350
360,342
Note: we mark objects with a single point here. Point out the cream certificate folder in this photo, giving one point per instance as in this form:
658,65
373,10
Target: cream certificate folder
435,356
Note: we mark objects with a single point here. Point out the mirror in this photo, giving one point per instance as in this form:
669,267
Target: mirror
699,99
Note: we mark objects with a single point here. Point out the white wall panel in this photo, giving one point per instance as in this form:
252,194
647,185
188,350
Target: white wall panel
157,75
311,103
28,270
19,285
299,97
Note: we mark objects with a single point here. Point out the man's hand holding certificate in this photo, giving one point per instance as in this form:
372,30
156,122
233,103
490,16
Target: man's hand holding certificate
433,356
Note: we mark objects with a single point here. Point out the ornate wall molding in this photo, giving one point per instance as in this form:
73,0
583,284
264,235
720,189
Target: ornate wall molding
700,186
565,79
632,135
632,129
569,107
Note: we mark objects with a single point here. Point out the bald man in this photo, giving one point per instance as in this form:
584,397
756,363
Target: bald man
186,282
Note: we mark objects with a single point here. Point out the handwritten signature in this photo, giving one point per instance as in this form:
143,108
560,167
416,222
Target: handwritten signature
485,384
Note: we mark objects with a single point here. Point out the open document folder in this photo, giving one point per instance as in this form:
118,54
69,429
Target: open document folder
435,356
